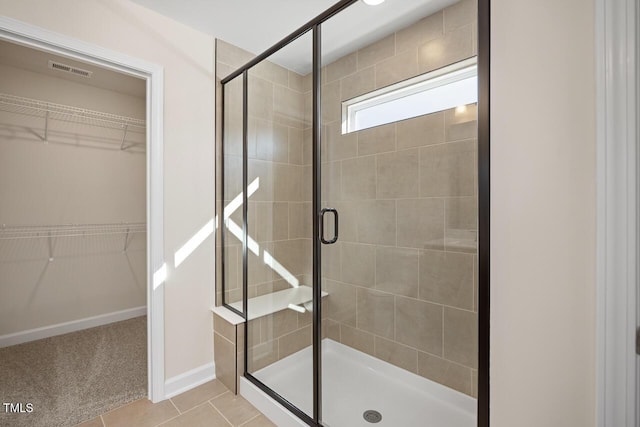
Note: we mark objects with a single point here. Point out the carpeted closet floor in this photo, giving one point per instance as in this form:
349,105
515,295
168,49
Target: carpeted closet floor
74,377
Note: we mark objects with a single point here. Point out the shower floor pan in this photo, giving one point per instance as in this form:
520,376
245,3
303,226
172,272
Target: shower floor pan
353,383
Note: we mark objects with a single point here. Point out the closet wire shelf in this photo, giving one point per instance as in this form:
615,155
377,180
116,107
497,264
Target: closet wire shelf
8,232
52,111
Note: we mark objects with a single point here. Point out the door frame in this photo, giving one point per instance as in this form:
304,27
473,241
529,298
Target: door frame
44,40
617,239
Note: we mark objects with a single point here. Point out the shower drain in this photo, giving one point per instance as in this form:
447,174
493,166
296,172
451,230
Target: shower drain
372,416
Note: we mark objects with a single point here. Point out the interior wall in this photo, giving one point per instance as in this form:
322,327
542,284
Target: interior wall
187,58
543,210
80,176
91,179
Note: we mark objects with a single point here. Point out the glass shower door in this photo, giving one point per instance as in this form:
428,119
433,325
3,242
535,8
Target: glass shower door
352,223
398,166
230,244
279,224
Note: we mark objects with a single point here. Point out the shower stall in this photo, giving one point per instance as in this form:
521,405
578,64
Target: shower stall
352,205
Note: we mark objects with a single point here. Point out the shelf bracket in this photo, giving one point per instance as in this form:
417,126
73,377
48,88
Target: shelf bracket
45,138
50,241
126,241
124,136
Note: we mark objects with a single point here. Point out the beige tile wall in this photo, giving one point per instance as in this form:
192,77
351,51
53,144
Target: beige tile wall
226,342
279,212
402,280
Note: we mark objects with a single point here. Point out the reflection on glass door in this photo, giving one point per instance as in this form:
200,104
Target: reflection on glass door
231,233
279,221
399,133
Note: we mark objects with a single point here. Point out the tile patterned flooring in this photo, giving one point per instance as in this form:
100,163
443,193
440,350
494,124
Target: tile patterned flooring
210,405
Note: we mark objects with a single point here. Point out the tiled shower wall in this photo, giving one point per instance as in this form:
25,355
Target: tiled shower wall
279,211
402,278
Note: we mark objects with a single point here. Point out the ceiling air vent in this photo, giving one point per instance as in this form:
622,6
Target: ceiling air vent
69,69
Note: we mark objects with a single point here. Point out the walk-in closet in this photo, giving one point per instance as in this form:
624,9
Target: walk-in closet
73,237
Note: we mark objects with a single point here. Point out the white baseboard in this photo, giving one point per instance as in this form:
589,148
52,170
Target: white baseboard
190,379
72,326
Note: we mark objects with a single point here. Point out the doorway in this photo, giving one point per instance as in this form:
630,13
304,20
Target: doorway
74,50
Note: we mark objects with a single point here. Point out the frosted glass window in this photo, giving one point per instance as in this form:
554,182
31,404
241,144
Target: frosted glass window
439,90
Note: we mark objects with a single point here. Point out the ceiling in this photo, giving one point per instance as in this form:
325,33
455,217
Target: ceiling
256,25
37,61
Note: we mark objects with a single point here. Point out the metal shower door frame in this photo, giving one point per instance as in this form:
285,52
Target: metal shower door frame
483,207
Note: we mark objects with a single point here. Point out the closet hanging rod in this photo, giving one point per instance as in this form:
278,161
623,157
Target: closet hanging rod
38,108
8,232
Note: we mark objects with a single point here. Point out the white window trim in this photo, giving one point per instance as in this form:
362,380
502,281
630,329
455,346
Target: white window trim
430,80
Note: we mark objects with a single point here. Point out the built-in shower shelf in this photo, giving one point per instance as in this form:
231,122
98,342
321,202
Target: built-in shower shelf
277,301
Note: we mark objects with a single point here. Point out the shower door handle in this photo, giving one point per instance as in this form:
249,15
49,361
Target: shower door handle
335,227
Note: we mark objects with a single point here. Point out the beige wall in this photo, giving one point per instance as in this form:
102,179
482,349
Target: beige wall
79,177
187,58
543,213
